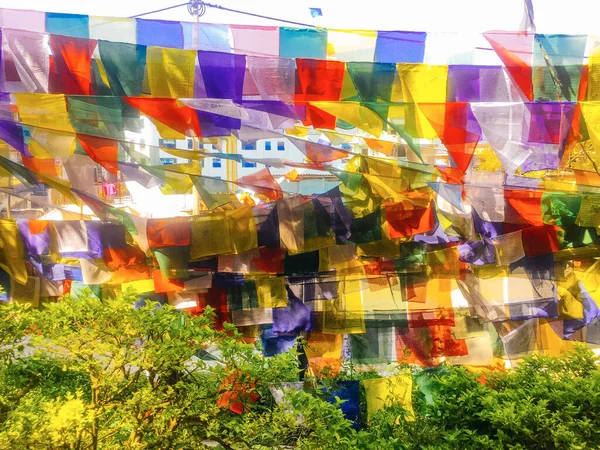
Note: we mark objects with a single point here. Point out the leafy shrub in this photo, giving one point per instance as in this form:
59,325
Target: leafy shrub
544,403
86,373
101,374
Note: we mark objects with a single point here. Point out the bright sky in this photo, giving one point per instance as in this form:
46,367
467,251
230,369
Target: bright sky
551,16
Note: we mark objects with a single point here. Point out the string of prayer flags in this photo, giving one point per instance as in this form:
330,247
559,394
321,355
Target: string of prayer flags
387,196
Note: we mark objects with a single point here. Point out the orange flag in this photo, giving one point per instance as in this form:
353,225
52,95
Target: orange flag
262,182
103,151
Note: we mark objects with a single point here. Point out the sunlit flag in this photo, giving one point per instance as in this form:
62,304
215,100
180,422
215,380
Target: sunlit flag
315,12
528,22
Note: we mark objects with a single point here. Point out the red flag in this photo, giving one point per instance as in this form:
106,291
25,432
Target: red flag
262,182
318,80
516,52
103,151
71,60
170,112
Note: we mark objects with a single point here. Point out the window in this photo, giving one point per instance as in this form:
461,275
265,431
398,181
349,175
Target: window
280,145
346,146
41,188
248,165
167,143
168,160
218,178
250,146
216,162
98,177
190,143
268,145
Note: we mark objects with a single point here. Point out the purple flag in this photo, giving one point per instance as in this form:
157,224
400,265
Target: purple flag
223,74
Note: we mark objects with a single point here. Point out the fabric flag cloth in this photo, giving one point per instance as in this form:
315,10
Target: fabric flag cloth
351,45
516,52
382,392
169,112
125,65
528,22
318,81
36,236
12,252
262,182
274,344
159,33
315,12
458,130
349,392
71,58
400,47
12,134
171,72
293,318
302,43
26,64
210,235
222,74
74,25
103,151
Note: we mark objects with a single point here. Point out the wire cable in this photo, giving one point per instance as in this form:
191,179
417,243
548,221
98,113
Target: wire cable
247,13
224,8
158,10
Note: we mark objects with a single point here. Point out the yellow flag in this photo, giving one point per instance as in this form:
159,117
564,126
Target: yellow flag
166,132
591,114
139,286
352,45
345,314
382,392
243,233
11,251
271,292
171,72
422,83
593,88
355,114
44,110
209,235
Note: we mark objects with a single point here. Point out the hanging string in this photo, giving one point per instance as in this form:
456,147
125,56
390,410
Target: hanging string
260,16
198,7
158,10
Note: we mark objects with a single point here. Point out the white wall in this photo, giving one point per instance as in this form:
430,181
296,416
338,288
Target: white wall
150,141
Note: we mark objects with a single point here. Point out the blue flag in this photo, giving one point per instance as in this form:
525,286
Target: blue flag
315,12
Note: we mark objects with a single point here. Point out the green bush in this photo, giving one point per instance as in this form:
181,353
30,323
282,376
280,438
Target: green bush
101,374
544,403
86,373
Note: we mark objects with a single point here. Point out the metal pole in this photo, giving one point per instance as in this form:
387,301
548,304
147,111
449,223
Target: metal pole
196,209
9,197
195,146
231,165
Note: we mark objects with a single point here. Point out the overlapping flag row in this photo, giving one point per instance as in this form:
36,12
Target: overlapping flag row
287,42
